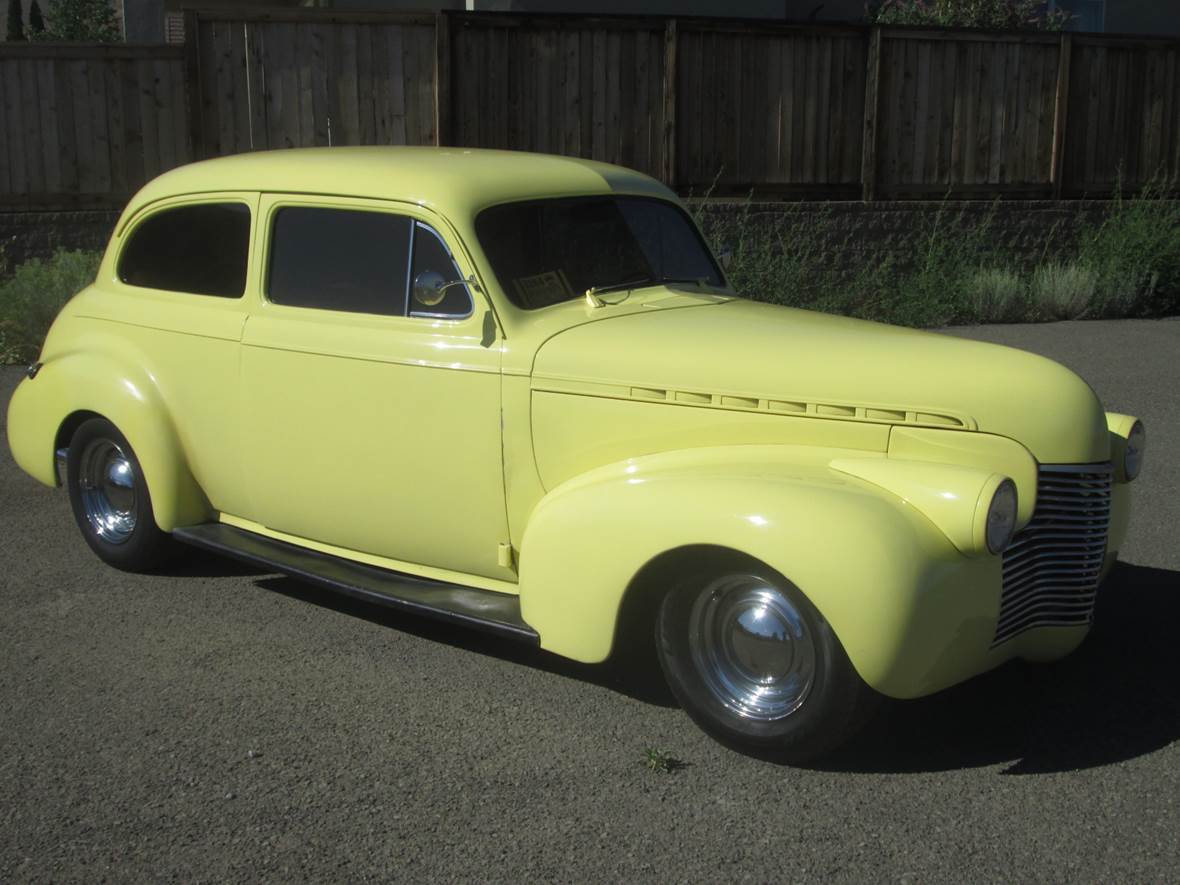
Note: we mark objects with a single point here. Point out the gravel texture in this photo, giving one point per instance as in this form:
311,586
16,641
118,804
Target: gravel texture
220,724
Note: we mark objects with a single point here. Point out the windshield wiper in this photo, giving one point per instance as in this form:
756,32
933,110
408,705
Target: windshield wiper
625,284
594,291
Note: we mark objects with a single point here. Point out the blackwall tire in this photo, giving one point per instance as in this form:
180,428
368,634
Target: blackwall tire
111,501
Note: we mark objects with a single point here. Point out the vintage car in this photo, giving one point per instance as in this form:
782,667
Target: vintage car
516,392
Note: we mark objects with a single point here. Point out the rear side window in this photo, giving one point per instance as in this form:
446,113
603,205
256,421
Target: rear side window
340,259
200,249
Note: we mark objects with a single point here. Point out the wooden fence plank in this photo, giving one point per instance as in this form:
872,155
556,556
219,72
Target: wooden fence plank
669,80
115,113
1061,114
50,146
29,133
66,131
133,130
868,166
11,132
442,79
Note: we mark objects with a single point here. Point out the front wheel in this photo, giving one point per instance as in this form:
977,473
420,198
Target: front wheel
110,499
754,663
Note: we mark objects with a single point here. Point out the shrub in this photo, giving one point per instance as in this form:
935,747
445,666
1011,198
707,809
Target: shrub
998,14
997,295
950,269
1135,253
1064,291
32,297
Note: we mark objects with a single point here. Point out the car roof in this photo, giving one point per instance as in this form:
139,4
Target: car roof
456,182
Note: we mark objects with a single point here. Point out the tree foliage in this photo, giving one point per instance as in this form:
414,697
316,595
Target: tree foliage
995,14
16,22
36,22
83,20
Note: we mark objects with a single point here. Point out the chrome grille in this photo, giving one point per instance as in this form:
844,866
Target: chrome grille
1051,570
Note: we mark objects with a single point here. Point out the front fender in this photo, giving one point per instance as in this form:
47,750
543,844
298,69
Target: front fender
896,591
124,394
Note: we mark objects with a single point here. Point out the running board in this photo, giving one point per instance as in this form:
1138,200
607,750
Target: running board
486,610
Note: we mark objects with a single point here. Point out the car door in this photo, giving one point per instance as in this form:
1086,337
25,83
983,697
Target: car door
371,420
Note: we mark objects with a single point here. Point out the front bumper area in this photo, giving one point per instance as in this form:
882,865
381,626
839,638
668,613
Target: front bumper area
962,618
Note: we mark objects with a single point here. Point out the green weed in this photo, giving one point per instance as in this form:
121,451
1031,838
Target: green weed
32,296
660,761
1134,253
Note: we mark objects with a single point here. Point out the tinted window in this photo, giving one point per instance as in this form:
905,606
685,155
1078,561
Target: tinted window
339,259
553,250
431,256
198,249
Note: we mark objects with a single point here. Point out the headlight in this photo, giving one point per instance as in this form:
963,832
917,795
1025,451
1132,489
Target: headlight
1133,451
1001,518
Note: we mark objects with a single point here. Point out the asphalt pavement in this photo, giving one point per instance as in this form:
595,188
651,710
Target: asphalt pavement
215,723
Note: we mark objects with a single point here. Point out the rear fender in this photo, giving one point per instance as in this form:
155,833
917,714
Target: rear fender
126,395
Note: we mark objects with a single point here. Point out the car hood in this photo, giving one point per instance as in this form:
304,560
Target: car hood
788,360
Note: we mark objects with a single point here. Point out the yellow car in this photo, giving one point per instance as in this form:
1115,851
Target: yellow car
516,392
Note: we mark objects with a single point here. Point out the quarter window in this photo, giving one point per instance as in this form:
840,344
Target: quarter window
199,249
437,287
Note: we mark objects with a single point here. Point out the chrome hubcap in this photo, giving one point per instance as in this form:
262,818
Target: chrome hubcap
109,497
752,647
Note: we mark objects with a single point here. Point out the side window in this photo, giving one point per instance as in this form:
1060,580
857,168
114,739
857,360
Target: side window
437,285
339,259
199,249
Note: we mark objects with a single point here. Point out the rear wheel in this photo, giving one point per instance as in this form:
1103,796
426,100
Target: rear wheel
754,663
110,499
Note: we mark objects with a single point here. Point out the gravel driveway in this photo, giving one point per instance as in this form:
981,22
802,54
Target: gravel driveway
220,724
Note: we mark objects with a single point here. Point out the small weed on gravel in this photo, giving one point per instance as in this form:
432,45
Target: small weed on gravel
661,761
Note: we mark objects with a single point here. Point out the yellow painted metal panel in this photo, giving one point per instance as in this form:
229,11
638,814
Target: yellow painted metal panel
376,434
984,451
573,434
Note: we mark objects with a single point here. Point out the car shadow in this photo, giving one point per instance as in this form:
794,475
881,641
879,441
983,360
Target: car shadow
1114,699
189,562
636,676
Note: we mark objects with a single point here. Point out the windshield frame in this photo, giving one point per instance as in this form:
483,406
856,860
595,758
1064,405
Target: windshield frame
674,205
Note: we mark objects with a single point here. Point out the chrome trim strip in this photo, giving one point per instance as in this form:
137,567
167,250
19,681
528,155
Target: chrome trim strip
409,270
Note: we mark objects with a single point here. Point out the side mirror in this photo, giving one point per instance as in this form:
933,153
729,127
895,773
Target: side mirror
430,287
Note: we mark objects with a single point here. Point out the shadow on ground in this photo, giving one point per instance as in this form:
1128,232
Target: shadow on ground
635,676
1112,700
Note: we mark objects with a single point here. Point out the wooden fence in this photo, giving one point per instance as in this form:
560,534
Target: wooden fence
83,123
726,107
297,80
581,87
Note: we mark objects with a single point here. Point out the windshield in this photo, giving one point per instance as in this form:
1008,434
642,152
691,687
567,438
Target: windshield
548,251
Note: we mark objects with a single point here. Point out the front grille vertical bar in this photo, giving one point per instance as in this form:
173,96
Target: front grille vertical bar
1052,568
